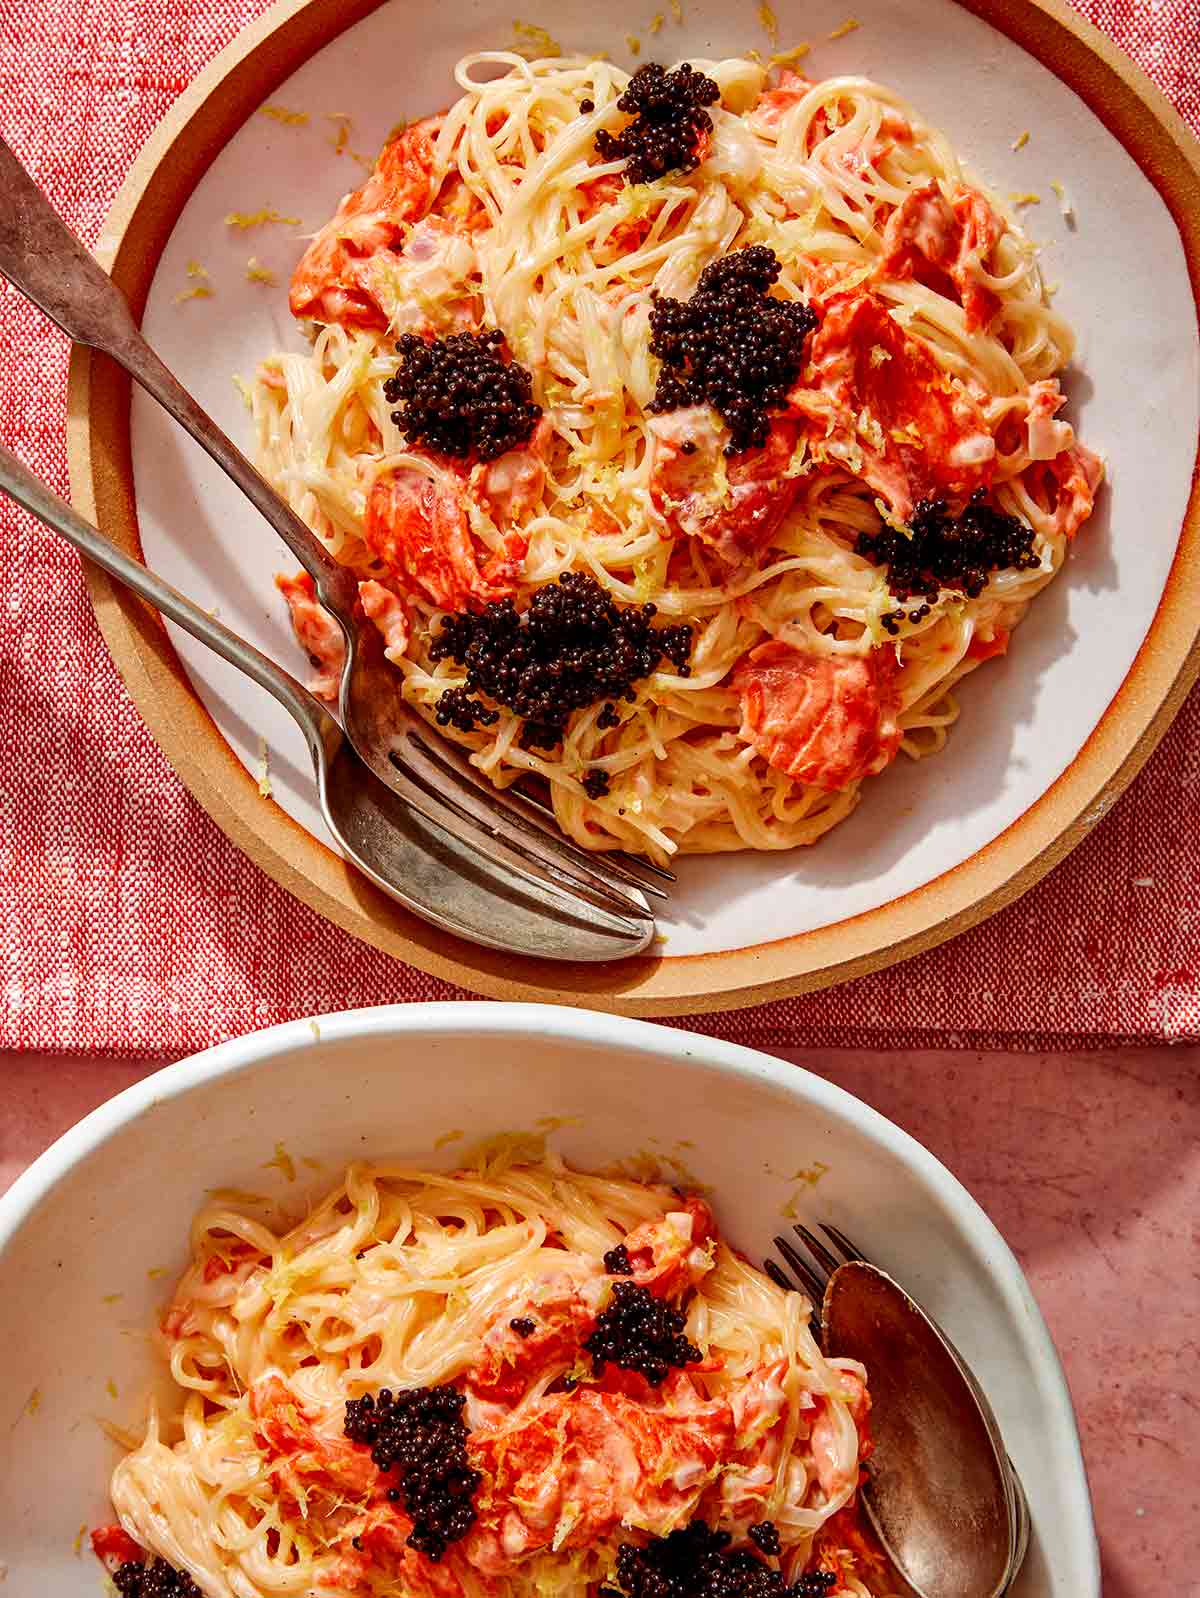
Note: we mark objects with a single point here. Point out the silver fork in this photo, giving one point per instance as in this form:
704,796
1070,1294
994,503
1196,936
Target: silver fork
42,258
813,1276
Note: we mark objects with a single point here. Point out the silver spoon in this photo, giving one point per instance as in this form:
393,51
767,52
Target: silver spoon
415,861
941,1497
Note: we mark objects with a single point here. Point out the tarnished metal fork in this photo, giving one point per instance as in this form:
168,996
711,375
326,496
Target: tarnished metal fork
41,257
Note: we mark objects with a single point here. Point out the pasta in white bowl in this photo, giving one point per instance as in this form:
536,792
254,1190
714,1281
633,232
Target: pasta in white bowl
291,1153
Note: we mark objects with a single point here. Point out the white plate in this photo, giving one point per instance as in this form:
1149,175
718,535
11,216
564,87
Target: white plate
106,1211
1124,287
1049,736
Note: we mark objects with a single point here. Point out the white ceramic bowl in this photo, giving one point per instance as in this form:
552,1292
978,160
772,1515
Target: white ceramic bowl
105,1212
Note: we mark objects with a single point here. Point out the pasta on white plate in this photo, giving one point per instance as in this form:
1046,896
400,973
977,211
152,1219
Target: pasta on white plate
838,532
510,1379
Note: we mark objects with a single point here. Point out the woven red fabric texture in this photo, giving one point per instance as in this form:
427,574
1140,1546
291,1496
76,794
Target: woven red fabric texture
129,924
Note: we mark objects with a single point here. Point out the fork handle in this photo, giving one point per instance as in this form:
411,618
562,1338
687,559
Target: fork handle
42,258
19,483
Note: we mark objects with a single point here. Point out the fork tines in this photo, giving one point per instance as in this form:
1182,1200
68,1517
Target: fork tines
509,818
811,1284
812,1277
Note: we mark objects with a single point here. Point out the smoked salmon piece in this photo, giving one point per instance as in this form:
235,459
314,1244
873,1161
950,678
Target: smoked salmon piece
826,720
875,401
417,524
332,281
944,244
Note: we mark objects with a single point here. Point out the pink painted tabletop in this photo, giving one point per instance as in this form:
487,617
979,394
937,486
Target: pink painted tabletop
1090,1166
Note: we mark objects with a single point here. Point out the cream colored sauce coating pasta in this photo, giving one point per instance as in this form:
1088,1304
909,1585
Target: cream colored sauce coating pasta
566,270
401,1278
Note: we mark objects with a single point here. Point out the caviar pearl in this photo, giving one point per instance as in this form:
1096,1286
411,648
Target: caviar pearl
420,1434
694,1562
640,1333
154,1580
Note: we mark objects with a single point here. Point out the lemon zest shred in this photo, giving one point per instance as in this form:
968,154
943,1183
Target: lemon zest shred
788,58
264,769
110,1387
1025,199
200,289
633,44
530,36
235,1195
268,214
677,10
768,21
655,25
342,121
850,24
1064,199
811,1175
1021,140
282,1162
256,272
280,113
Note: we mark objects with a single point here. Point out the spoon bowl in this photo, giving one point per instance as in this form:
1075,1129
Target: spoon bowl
940,1496
448,883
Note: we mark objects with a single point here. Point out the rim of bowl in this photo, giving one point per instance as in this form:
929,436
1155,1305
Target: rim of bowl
466,1018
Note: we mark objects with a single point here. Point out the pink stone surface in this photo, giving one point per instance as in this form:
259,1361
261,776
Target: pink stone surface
1090,1166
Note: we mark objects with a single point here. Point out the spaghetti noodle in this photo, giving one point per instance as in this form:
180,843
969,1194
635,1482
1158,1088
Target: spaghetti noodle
930,382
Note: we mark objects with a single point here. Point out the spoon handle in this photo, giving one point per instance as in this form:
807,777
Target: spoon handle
19,483
42,258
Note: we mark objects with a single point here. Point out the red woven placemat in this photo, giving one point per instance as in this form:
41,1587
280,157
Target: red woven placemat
128,923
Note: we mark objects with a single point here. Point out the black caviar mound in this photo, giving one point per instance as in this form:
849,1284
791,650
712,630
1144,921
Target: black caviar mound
571,648
155,1580
669,122
616,1261
640,1333
695,1562
421,1436
595,782
731,346
948,551
457,394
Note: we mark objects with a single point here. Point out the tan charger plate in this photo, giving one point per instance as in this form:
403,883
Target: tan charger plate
135,235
